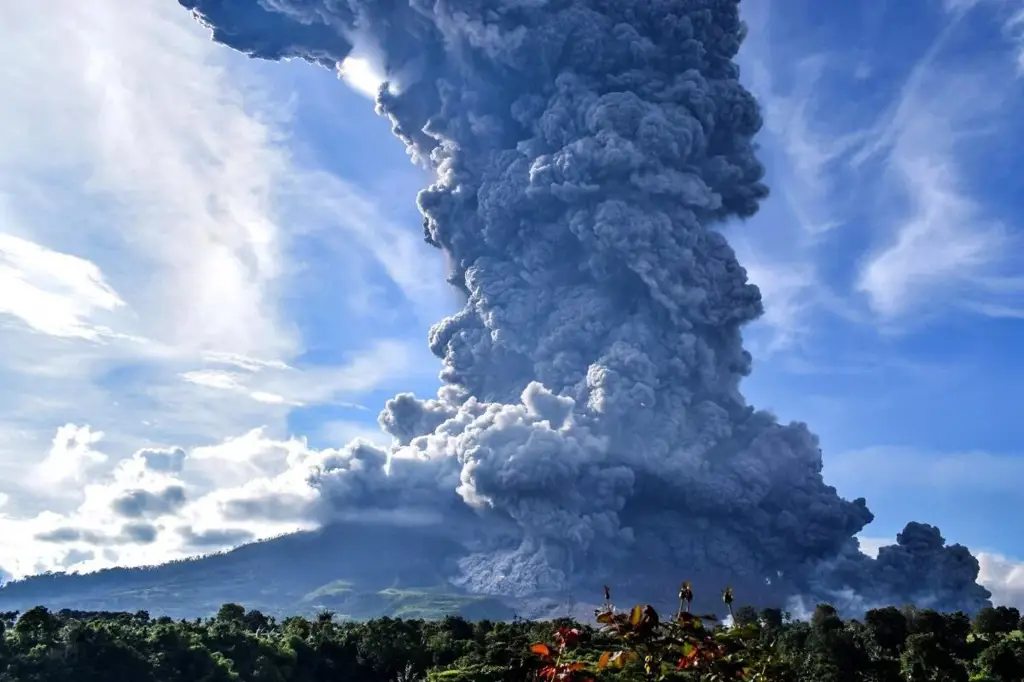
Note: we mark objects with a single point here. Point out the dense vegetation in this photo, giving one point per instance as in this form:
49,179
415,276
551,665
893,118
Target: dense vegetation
236,644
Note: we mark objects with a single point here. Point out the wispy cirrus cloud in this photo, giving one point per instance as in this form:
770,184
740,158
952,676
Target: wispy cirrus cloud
172,269
883,167
1007,12
944,246
887,468
282,384
53,293
1015,29
121,123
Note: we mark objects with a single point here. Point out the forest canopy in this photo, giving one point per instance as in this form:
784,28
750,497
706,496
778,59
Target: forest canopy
889,644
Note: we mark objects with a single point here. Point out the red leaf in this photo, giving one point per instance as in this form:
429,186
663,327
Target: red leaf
567,636
541,650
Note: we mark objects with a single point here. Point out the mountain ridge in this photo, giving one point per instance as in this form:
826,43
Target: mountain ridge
358,571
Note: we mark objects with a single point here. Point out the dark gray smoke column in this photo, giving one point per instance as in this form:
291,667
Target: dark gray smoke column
591,416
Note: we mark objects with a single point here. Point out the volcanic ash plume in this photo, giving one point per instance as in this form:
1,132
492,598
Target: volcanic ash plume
590,424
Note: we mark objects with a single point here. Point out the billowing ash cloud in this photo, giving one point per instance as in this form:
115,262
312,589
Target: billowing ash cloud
590,425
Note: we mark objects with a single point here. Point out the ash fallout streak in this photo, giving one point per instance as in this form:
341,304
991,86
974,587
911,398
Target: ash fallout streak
590,425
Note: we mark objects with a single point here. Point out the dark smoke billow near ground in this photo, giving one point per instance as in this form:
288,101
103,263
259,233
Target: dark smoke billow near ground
590,422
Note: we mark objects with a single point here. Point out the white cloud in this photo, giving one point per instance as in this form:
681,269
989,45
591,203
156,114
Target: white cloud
154,405
808,150
902,176
281,384
71,455
213,378
170,159
243,362
943,243
173,167
1004,577
416,270
803,150
1015,30
157,506
230,381
1012,16
138,177
53,293
785,290
960,6
154,221
943,246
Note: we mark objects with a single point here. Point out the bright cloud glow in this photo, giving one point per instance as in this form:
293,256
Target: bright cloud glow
362,75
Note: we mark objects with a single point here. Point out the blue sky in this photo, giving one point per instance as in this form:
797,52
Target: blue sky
204,252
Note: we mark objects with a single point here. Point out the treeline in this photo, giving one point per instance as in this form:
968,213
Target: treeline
888,644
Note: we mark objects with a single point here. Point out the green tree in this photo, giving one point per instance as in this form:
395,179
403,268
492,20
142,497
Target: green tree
37,625
233,614
772,618
1003,661
746,615
925,660
996,620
